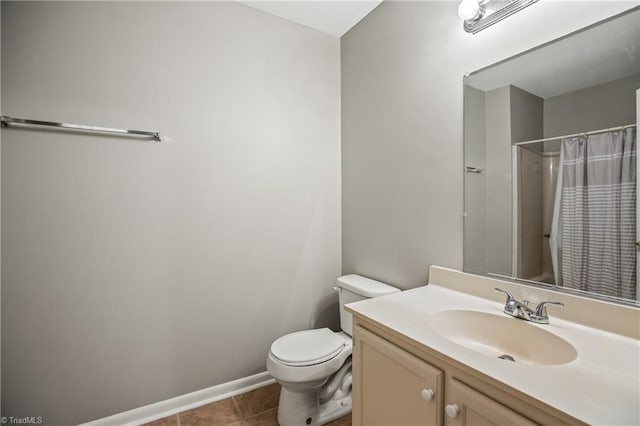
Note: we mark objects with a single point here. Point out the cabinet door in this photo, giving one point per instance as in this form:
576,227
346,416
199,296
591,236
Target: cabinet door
468,407
391,386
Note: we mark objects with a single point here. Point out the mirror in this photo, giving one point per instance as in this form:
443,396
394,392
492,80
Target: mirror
550,139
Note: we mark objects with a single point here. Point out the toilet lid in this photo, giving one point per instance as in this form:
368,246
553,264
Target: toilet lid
307,347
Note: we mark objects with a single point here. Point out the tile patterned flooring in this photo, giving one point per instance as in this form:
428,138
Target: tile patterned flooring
258,407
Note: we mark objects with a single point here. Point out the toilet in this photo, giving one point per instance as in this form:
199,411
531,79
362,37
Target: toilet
314,366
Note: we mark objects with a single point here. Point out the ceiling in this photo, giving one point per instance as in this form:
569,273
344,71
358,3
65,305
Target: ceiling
334,17
602,53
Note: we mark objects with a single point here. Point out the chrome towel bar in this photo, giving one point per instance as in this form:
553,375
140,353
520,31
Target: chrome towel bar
6,121
470,169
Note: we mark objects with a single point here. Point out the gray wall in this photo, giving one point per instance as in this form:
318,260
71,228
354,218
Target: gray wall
498,171
402,69
475,202
594,108
492,122
526,115
138,271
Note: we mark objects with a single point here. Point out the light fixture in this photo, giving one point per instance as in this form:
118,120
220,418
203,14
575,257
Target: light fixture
480,14
469,9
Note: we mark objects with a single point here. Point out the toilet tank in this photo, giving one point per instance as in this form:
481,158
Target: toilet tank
354,287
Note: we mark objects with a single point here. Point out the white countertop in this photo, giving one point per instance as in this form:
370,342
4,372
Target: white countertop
601,386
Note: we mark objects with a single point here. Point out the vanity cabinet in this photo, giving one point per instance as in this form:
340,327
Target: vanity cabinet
468,407
394,386
397,382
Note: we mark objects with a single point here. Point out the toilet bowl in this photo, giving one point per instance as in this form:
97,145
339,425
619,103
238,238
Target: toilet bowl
314,366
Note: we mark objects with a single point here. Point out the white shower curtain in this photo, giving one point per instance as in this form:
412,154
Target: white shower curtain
596,223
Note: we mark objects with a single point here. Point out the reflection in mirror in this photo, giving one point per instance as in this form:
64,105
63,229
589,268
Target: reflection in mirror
550,163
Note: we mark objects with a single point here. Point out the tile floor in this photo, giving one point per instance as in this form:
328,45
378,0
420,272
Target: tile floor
258,407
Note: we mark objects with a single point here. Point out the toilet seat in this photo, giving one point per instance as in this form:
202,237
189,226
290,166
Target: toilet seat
308,347
324,362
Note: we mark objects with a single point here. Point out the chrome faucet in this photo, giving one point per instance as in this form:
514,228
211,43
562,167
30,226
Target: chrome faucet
522,310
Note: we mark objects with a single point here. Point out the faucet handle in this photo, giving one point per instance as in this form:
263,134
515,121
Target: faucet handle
541,309
510,297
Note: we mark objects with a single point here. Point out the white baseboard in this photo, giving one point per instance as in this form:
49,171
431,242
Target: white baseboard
161,409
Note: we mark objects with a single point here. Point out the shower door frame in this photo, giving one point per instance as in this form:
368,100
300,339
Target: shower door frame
637,200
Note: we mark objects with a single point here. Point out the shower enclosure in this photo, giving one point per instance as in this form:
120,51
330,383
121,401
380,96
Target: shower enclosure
574,211
535,179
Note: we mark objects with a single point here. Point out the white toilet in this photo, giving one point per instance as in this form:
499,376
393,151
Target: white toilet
314,366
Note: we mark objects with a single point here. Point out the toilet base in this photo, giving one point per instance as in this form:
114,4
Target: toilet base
332,410
302,408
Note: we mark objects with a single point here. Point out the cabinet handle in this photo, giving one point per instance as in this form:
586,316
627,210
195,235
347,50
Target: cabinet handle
452,410
427,394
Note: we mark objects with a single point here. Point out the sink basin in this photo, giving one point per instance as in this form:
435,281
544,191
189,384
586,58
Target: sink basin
502,336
